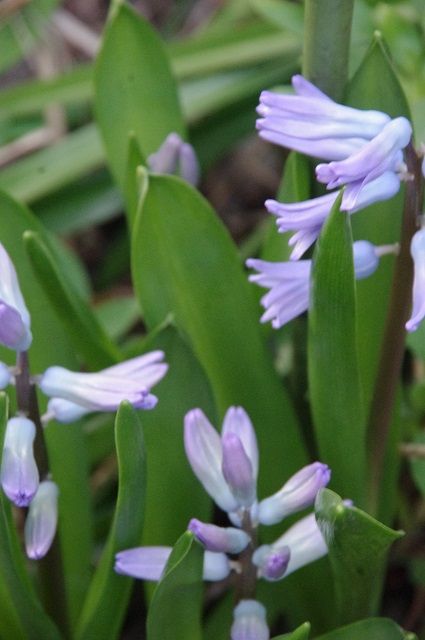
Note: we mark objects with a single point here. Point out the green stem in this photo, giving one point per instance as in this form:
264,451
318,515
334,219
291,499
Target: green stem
392,353
327,28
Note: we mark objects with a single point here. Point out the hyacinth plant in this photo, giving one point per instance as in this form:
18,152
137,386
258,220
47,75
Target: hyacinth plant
108,472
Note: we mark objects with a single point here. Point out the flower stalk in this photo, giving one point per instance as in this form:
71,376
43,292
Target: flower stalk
393,343
327,28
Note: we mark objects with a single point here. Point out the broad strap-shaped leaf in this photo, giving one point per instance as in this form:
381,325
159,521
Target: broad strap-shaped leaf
185,263
369,629
335,393
358,546
170,479
83,328
176,607
142,98
375,86
22,616
108,596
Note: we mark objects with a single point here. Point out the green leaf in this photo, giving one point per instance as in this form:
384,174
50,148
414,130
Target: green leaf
180,248
175,611
185,386
84,331
370,629
55,166
20,32
281,13
22,616
375,86
108,596
301,633
66,447
358,545
417,465
142,98
335,392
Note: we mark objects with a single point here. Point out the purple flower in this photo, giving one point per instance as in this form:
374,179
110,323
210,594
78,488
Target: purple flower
175,156
217,461
15,319
310,122
249,621
417,249
306,218
305,541
76,394
219,539
272,563
19,474
383,153
41,522
148,563
289,282
297,493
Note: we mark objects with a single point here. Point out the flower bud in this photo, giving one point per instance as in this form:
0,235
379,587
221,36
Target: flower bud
40,525
15,319
237,470
305,542
249,621
203,449
148,563
19,474
365,258
417,250
219,539
296,494
272,564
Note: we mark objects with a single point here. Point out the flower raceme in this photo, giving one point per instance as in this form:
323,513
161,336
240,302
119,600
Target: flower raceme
227,467
15,322
289,282
364,150
75,394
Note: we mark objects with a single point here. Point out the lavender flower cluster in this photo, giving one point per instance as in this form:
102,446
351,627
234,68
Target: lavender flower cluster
227,467
364,150
72,395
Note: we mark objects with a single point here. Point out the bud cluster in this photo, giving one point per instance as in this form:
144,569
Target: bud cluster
227,467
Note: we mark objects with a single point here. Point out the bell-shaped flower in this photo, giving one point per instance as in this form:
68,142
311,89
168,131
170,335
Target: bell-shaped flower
6,376
175,156
19,474
297,493
148,563
307,218
311,123
219,539
383,153
272,563
76,394
417,249
305,542
289,282
41,522
249,621
226,467
15,320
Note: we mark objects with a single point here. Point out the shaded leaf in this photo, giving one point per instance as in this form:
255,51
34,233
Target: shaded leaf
175,611
107,599
358,546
